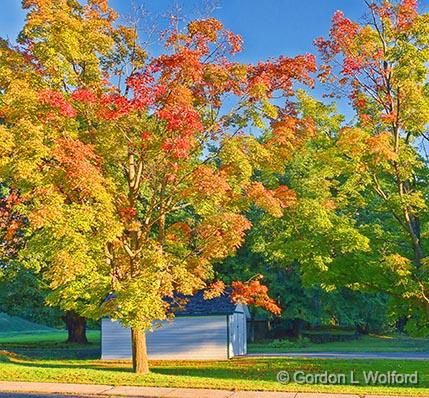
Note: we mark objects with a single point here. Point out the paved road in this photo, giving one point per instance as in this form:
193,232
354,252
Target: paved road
423,356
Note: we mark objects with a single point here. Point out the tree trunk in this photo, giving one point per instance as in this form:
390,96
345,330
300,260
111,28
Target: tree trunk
296,328
414,225
140,359
362,328
400,324
76,327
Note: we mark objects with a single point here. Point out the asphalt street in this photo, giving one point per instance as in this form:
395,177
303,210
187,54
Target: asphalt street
424,356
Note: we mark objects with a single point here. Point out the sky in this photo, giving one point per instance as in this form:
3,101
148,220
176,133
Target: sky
269,28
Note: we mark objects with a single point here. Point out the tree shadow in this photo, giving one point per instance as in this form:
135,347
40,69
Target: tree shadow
229,373
84,366
55,353
241,370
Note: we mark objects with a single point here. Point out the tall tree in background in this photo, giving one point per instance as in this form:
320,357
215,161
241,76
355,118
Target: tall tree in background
133,171
305,301
317,240
60,46
22,291
361,217
383,70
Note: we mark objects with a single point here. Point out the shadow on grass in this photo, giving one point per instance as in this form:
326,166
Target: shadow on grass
259,375
220,373
58,354
55,351
27,362
233,370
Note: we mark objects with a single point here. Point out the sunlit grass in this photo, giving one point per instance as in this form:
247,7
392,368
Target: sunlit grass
240,374
45,337
43,358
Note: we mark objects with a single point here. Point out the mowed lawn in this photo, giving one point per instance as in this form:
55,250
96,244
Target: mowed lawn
20,336
50,345
30,358
45,338
240,374
371,343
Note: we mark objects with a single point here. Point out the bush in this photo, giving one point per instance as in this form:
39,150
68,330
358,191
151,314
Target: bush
301,342
326,336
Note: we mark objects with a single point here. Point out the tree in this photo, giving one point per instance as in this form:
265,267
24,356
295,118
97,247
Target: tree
361,187
23,292
383,70
132,171
339,231
59,38
307,297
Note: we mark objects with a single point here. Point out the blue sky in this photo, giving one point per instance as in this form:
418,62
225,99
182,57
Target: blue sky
269,27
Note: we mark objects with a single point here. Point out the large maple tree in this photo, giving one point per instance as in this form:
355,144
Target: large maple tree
382,66
133,171
362,216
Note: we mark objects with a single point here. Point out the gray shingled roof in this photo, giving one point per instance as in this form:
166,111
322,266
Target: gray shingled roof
197,305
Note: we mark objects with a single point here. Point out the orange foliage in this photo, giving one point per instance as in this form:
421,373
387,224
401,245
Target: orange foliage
57,101
80,165
10,224
271,201
85,96
381,147
286,195
254,293
179,231
207,182
215,289
279,74
222,235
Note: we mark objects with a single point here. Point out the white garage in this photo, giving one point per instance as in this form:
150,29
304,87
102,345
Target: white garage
204,329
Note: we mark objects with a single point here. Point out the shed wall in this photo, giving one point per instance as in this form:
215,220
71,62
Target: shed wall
194,337
237,334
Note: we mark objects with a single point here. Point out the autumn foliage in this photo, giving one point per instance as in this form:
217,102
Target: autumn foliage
381,66
135,171
255,293
10,226
131,173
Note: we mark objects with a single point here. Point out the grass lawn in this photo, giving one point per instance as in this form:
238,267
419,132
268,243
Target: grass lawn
56,337
13,324
50,345
370,343
242,374
46,358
